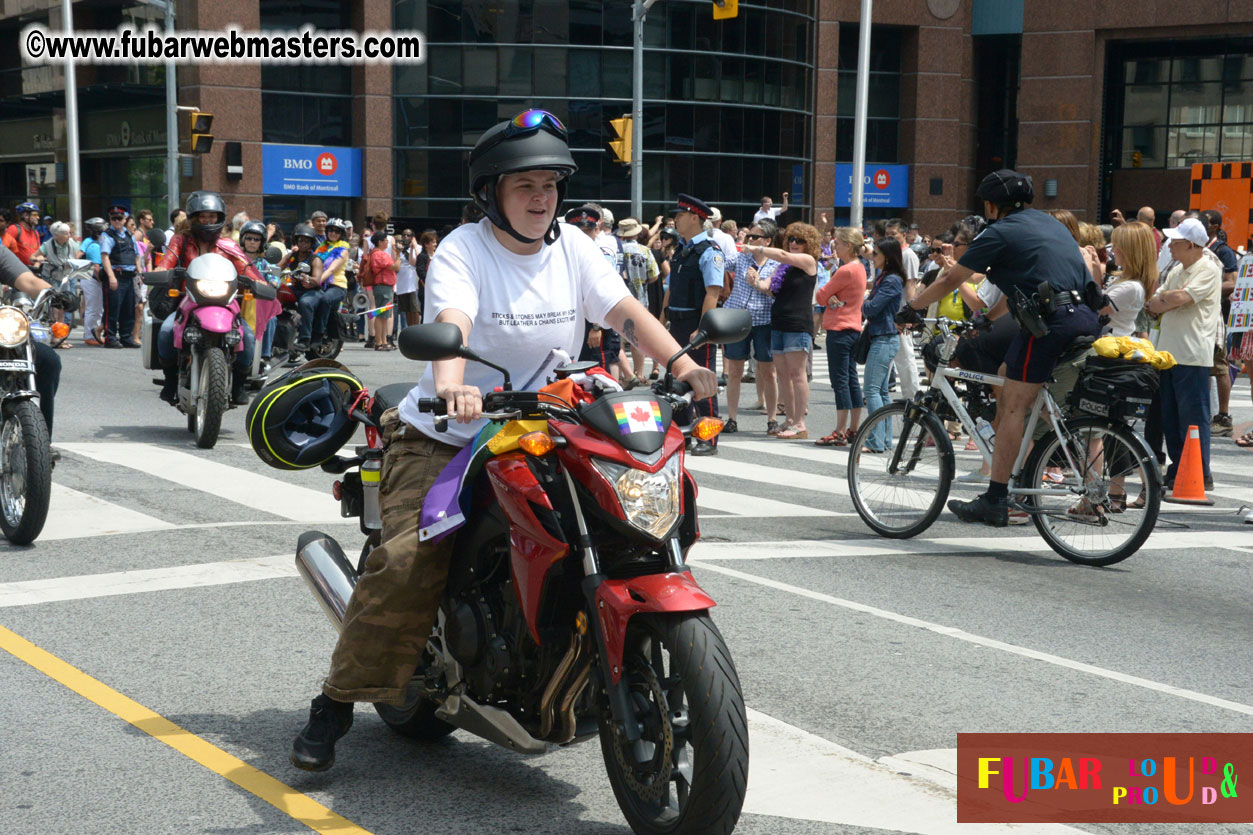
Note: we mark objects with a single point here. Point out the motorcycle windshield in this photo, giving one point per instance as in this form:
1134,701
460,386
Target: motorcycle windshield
637,421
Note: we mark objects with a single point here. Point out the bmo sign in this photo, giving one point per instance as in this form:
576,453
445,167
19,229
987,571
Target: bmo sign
882,185
310,170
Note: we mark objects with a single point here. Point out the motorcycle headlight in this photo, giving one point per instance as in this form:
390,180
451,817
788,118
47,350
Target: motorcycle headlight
14,326
650,500
211,288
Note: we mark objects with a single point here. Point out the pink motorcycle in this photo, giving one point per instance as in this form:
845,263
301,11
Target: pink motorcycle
208,333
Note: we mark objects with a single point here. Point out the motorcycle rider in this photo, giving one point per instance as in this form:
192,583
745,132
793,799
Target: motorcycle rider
21,238
198,234
15,274
517,287
328,287
252,242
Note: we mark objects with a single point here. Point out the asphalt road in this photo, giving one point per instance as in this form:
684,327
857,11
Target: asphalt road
165,574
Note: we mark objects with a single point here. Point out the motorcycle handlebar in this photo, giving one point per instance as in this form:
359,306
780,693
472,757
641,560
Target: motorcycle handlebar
435,405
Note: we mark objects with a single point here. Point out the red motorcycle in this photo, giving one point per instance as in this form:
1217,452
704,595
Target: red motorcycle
570,611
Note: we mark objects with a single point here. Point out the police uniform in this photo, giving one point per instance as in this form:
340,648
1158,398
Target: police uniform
1017,253
697,265
119,245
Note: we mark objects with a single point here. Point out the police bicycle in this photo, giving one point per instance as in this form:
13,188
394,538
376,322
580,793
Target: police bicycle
1073,483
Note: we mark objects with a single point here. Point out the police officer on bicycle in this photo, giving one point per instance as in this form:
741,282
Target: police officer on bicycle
1033,260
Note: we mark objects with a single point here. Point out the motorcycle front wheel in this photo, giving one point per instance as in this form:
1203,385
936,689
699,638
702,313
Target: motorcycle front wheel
687,697
213,398
25,472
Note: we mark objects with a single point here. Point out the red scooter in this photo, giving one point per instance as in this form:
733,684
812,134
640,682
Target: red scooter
570,611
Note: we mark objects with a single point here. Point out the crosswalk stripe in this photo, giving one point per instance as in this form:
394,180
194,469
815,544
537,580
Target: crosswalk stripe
259,492
742,504
31,592
75,515
824,485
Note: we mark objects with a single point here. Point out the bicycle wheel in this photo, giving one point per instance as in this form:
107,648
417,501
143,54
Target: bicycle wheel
900,492
1081,517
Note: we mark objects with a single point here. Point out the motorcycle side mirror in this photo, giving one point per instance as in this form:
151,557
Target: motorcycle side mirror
264,291
273,254
717,327
440,341
158,278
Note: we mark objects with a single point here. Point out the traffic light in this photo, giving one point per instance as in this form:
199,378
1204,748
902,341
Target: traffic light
621,146
726,9
200,124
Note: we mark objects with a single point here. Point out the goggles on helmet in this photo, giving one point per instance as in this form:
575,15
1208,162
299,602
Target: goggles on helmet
528,122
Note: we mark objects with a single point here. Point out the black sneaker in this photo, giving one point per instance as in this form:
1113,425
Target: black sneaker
982,510
300,347
731,426
113,342
704,448
314,748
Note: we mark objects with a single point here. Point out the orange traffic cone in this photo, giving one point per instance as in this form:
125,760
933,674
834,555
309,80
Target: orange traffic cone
1190,477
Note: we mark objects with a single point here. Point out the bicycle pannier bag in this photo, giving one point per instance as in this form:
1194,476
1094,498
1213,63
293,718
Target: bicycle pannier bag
1115,388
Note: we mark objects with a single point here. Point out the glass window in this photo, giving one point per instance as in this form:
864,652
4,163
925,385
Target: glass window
774,77
1192,144
1149,141
306,120
443,21
732,79
616,27
584,73
1238,102
479,70
682,25
552,22
732,128
476,117
550,71
1195,104
1145,105
515,72
616,66
680,123
588,126
585,22
754,81
706,78
654,75
654,127
1147,71
681,170
754,31
1237,142
445,121
707,130
1192,70
443,65
448,173
411,121
680,77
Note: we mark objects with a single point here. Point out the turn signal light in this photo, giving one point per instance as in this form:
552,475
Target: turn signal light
706,429
537,443
60,330
172,293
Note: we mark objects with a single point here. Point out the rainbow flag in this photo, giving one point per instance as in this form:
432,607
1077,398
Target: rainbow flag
638,416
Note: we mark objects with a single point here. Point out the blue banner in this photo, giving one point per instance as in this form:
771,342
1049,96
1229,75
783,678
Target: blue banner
798,184
885,185
310,170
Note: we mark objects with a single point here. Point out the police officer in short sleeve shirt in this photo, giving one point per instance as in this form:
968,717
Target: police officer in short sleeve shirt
697,272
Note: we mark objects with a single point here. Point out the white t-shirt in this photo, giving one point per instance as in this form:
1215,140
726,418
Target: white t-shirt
609,245
407,275
768,214
1128,297
909,259
989,294
520,307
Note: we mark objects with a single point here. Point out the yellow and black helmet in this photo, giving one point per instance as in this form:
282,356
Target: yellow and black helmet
301,419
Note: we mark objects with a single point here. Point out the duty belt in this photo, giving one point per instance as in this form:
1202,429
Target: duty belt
681,315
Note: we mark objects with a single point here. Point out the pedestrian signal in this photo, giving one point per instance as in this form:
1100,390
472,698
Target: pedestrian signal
200,124
726,9
621,146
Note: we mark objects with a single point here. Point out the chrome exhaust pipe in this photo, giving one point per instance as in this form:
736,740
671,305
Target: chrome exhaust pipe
327,572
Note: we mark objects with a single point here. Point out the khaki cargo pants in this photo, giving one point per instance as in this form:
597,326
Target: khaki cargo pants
394,604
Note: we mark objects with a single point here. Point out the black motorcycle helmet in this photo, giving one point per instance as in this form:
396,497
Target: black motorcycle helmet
1006,189
252,227
301,419
532,140
205,201
304,230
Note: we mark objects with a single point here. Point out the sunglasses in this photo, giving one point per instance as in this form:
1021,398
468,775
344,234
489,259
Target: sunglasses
792,239
117,217
757,238
936,250
527,122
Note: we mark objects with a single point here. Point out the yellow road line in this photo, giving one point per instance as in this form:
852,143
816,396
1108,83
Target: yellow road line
279,795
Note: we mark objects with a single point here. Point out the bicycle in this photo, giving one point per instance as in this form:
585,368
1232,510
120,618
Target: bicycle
1073,483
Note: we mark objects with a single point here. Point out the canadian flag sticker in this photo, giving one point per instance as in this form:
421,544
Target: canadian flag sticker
327,164
638,416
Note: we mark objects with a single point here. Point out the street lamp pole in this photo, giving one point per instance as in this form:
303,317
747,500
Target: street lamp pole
71,127
859,119
639,12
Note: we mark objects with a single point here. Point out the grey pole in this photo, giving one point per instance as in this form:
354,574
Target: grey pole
71,128
638,13
859,119
171,119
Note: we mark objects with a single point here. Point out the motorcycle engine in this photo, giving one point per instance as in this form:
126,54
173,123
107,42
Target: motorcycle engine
478,632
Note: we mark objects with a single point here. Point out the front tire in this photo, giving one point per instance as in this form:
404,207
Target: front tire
213,399
687,696
25,472
904,503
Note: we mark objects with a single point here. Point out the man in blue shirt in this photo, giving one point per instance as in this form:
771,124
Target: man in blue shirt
697,272
1021,250
93,290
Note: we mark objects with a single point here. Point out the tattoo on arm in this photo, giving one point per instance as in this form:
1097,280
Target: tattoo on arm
628,331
